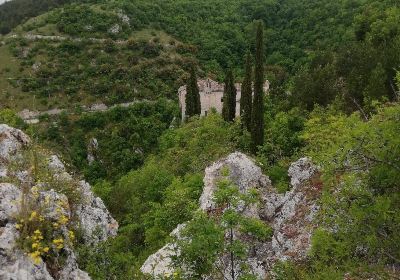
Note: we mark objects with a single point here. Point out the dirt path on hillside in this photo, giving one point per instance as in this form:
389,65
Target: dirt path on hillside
34,37
32,117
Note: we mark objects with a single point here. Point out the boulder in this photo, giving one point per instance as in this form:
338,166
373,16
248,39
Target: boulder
11,141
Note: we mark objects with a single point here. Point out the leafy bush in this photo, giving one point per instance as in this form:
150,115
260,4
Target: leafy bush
10,118
203,242
125,136
279,177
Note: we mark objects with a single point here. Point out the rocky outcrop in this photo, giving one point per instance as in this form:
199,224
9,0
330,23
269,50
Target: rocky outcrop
290,215
17,185
92,150
11,141
94,217
160,263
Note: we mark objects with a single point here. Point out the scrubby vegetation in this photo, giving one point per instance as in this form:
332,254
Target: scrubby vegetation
320,51
202,243
359,217
15,12
151,201
123,137
57,73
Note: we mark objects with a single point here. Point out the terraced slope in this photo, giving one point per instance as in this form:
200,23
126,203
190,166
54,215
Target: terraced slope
45,65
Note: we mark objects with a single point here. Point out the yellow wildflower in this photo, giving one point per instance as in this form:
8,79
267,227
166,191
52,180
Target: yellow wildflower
35,190
35,245
35,257
63,220
71,235
18,226
46,249
33,215
59,243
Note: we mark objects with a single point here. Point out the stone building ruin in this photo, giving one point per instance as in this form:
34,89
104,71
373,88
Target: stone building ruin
211,96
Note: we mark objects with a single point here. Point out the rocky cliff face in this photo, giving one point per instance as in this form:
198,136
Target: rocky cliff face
55,205
290,215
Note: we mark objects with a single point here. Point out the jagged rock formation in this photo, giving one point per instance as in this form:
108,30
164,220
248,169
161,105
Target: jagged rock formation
90,214
92,150
290,215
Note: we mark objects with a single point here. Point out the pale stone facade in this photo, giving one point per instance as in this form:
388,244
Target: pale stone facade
211,96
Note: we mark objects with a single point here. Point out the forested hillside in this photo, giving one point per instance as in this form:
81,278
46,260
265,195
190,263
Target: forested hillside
13,13
334,72
306,42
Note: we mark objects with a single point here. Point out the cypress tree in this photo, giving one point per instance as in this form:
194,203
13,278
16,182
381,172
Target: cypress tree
229,105
193,105
247,95
257,116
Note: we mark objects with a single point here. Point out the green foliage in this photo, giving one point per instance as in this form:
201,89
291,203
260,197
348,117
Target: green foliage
15,12
125,137
193,105
84,21
257,114
361,199
337,50
279,177
284,129
246,99
360,71
341,53
151,201
222,30
191,148
180,201
208,245
87,71
10,118
108,260
207,242
229,98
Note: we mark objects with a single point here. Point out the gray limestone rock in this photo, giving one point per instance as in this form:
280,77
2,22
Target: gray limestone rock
290,215
95,220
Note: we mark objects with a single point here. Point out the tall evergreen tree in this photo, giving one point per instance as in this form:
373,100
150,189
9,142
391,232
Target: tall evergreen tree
229,105
257,116
247,95
193,105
